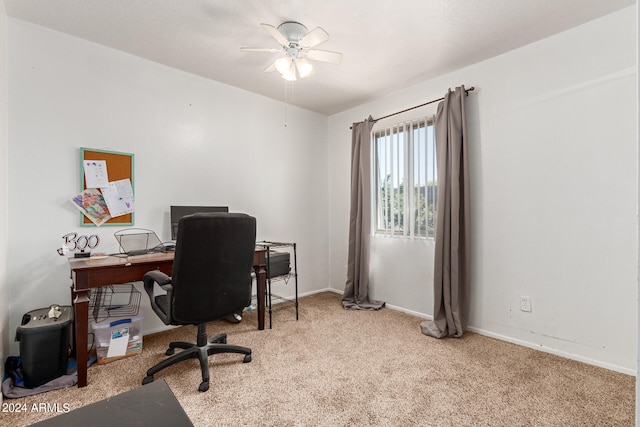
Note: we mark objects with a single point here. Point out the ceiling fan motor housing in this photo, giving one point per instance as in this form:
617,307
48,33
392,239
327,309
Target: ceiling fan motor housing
293,31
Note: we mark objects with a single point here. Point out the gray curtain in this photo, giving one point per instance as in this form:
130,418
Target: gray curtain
356,291
452,252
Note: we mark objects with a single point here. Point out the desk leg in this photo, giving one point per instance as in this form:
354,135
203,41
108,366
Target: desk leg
261,284
81,307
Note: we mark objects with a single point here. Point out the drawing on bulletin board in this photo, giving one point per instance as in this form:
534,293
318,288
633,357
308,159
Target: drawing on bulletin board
106,188
92,205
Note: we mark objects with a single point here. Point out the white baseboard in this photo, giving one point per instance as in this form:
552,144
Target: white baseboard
411,312
571,356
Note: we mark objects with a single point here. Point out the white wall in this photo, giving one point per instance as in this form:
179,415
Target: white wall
195,142
554,193
4,289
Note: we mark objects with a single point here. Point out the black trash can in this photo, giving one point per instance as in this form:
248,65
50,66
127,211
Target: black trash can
44,345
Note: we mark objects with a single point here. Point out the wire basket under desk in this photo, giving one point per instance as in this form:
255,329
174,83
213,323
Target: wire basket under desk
114,301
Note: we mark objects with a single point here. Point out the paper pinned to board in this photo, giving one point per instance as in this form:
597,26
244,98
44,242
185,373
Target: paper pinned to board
95,173
119,197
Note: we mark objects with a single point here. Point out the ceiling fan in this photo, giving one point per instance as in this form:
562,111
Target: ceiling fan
297,45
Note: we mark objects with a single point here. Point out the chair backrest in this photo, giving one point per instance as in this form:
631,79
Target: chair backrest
178,212
212,266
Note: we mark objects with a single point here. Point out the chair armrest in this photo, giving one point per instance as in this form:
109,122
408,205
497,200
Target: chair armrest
156,276
160,303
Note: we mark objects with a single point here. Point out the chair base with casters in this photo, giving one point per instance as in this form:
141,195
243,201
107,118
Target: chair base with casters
201,350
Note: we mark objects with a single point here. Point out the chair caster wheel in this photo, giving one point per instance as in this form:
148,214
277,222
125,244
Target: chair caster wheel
147,380
169,352
247,358
204,386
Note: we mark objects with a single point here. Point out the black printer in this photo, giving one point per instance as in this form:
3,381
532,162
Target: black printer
278,264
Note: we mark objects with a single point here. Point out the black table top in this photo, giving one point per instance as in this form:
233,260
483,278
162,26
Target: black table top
153,404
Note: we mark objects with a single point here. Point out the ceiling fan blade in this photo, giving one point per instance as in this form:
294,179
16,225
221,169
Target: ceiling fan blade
325,56
314,38
271,67
273,32
261,49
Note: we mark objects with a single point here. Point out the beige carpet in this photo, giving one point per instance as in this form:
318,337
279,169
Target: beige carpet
355,368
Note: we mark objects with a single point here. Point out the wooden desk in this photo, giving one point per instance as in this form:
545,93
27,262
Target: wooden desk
94,273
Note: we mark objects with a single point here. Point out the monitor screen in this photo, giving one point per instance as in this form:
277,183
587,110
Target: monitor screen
178,212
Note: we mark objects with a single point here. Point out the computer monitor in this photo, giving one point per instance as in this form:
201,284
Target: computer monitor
178,212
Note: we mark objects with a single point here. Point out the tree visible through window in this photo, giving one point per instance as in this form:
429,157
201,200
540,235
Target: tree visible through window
406,189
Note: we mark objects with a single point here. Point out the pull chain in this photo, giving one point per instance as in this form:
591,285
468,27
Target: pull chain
288,98
285,116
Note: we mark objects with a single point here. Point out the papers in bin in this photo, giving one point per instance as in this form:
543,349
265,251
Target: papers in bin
118,342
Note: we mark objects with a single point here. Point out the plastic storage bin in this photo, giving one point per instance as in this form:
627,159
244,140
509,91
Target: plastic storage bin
44,345
105,331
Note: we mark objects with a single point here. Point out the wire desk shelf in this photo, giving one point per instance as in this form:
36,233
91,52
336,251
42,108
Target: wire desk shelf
292,274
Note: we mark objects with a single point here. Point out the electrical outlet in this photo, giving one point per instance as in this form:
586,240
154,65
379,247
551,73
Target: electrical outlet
525,304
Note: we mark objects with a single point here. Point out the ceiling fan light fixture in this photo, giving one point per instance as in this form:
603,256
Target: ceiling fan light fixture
290,74
283,65
305,68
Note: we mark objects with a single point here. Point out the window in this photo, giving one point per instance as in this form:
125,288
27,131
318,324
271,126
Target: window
405,180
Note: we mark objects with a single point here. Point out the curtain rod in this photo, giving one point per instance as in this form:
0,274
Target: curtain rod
417,106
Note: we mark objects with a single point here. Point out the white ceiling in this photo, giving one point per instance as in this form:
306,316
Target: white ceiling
387,44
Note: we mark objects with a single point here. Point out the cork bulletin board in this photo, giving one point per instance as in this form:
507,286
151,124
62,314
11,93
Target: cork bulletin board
119,166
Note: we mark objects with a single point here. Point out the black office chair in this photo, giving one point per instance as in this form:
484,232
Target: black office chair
211,279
